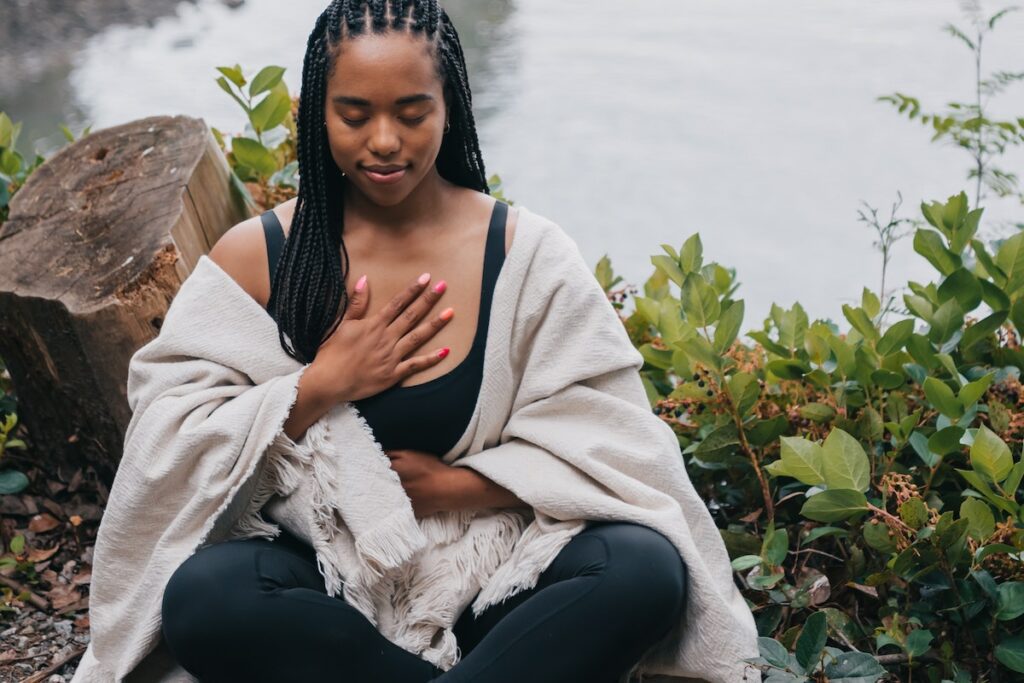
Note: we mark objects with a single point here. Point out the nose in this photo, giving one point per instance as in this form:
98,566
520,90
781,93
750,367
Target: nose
384,138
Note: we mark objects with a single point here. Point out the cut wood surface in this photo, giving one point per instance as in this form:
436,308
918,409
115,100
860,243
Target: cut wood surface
98,242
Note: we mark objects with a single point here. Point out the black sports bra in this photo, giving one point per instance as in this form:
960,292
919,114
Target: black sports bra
433,415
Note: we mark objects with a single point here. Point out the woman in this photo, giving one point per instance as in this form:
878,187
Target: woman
511,511
392,174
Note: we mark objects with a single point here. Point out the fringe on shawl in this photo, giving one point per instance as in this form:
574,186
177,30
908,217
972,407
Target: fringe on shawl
431,599
534,552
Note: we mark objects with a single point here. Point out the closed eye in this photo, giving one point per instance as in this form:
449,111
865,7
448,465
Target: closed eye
356,122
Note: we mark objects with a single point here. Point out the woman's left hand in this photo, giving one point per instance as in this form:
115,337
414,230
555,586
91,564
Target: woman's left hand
425,477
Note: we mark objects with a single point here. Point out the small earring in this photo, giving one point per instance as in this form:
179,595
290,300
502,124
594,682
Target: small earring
447,126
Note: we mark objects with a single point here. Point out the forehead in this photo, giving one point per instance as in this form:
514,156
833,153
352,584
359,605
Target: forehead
384,66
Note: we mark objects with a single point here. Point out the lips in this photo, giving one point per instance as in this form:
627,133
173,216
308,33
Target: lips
385,175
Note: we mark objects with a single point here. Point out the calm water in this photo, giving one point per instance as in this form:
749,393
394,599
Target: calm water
753,123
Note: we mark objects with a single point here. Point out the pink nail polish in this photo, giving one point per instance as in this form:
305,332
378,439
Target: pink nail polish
443,352
424,279
360,283
440,286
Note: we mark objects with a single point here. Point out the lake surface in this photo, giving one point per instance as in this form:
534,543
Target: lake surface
637,124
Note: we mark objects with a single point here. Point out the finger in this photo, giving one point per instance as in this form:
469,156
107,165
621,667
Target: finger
421,362
358,299
399,308
426,330
415,311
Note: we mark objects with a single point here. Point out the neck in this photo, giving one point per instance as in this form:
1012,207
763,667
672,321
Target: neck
404,218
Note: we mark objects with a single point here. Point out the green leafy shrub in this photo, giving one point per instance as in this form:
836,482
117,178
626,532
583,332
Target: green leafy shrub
866,484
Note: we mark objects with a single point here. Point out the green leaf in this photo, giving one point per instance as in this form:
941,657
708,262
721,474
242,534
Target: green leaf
12,481
1010,653
963,286
877,536
942,399
718,444
982,329
822,531
973,391
981,522
699,301
990,455
272,110
691,256
895,337
860,321
728,326
819,412
267,78
223,83
854,667
946,440
670,267
1012,481
6,130
845,463
928,243
918,642
993,270
766,431
812,640
946,320
979,485
1010,259
870,303
775,546
234,74
785,368
254,155
1011,600
773,652
817,347
914,513
919,306
745,562
803,459
887,379
834,505
744,391
700,350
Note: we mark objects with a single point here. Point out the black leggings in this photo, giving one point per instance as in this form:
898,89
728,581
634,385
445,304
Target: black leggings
257,610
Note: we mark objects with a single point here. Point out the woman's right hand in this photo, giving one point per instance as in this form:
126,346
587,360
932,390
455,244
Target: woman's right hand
365,355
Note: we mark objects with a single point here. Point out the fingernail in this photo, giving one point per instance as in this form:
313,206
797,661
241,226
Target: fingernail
424,279
443,352
440,286
361,283
447,313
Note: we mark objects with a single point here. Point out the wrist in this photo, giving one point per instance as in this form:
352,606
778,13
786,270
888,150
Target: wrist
327,386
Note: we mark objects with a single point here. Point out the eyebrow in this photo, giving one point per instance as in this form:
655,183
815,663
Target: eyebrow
360,102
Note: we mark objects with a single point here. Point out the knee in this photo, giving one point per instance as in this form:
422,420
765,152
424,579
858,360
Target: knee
649,571
198,597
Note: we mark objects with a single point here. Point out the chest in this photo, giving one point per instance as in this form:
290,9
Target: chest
391,269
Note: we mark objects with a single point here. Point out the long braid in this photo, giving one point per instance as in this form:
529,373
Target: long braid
308,295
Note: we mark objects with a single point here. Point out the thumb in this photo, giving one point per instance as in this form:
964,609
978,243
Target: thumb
357,301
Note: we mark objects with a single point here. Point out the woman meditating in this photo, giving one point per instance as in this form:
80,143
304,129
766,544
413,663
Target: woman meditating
392,430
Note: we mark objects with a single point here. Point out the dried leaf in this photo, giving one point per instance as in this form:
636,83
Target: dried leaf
42,523
40,554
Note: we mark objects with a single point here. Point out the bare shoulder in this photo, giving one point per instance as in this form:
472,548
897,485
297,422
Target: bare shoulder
241,252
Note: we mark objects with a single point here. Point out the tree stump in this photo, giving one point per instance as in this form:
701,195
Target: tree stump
98,242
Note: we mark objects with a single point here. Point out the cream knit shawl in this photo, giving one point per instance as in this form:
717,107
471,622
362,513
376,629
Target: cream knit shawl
562,420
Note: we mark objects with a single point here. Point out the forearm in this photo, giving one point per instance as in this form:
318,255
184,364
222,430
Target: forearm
470,490
313,400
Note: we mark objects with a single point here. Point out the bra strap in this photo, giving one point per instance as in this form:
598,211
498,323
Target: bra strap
274,234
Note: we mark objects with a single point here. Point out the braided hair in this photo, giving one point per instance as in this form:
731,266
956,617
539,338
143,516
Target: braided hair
308,296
